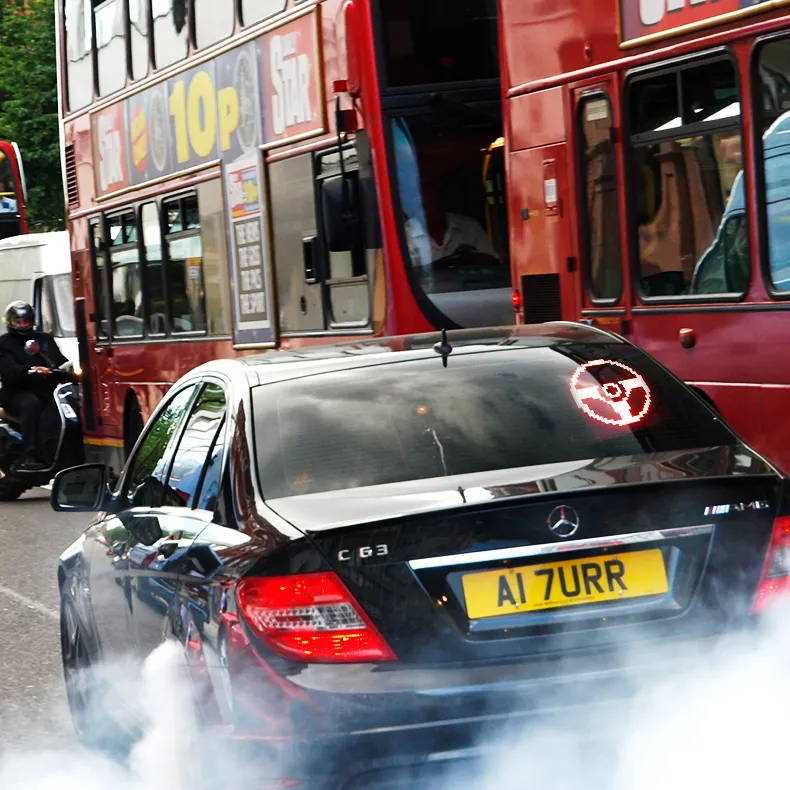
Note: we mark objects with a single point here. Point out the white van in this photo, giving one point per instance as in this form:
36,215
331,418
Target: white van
36,268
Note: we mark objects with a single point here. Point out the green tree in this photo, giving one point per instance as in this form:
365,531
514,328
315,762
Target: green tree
29,104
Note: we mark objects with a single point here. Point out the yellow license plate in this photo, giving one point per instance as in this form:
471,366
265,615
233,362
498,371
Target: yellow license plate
531,588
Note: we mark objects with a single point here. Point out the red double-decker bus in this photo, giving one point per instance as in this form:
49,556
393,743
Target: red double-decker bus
272,173
13,191
648,162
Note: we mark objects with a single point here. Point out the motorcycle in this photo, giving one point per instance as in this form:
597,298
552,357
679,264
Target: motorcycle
60,435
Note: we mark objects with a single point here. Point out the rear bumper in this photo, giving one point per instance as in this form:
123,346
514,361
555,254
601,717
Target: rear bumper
373,731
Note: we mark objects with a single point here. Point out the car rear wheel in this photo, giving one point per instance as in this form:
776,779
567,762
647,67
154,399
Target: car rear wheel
91,721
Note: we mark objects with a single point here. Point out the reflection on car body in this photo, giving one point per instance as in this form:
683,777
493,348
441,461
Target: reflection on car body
365,552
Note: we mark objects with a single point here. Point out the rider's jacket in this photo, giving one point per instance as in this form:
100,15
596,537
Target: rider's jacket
15,362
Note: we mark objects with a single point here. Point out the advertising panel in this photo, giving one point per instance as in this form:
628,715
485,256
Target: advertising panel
263,93
642,18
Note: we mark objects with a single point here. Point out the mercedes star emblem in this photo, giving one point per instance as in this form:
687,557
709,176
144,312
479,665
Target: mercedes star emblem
563,521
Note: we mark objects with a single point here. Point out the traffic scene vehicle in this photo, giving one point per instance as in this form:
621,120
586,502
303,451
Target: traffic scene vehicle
13,191
60,435
646,179
244,175
36,268
371,552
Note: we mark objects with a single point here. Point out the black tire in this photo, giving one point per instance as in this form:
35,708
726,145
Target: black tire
11,490
84,693
133,426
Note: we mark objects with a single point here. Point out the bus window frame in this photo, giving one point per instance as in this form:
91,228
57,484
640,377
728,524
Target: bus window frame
184,233
584,97
124,211
758,156
641,73
243,24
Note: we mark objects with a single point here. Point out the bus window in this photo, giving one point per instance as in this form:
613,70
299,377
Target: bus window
601,209
253,11
138,31
773,66
171,38
79,49
439,41
685,160
110,46
184,267
441,198
155,301
127,291
215,257
213,22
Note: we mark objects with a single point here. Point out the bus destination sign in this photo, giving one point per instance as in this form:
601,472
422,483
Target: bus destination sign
210,114
640,19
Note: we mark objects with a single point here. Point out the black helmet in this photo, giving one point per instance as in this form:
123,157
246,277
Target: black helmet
20,318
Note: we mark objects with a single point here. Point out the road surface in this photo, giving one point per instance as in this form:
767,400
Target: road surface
32,702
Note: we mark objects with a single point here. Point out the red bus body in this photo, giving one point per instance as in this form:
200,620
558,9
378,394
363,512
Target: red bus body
692,269
201,138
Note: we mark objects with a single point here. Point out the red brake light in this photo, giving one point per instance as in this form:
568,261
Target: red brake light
775,579
310,617
515,297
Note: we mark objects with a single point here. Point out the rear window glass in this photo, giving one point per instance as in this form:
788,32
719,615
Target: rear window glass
512,408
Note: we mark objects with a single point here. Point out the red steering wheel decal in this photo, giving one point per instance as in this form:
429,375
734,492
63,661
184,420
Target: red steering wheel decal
616,403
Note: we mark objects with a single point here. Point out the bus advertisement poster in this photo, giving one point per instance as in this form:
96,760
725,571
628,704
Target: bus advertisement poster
645,19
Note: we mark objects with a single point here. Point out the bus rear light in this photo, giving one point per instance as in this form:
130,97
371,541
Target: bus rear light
775,579
310,617
515,297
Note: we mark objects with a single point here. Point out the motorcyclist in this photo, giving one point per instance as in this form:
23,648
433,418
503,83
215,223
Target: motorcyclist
28,381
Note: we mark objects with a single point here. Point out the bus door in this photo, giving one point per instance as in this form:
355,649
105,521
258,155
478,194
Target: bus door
100,351
603,275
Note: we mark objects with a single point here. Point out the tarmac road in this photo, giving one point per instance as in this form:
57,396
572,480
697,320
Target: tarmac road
32,701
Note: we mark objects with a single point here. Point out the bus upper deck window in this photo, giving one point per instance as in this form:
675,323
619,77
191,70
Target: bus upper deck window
171,32
138,31
79,48
253,11
213,22
110,46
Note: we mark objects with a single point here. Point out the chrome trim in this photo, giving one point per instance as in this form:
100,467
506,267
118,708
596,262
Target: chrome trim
519,552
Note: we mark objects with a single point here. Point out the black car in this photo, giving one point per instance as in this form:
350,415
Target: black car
373,552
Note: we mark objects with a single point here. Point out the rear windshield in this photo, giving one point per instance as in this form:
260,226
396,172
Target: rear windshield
509,408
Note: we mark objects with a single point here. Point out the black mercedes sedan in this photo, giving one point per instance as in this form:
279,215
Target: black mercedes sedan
372,553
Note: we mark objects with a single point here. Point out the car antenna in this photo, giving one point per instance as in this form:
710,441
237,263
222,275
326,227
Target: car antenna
443,348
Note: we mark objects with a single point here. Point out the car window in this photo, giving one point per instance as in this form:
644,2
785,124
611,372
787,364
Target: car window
144,484
196,456
509,408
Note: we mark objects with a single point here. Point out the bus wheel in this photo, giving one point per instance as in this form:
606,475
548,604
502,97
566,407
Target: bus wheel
133,425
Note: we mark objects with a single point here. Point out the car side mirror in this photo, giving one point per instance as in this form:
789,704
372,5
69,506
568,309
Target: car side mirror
80,488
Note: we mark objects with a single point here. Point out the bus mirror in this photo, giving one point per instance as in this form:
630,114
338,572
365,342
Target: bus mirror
340,212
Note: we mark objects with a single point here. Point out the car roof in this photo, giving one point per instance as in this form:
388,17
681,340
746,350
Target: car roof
283,365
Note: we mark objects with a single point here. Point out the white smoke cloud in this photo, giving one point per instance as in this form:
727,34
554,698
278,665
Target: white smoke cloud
719,720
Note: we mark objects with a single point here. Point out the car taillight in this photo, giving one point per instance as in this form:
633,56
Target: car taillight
775,580
310,617
515,298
